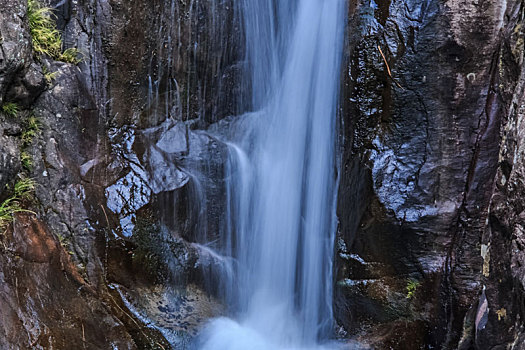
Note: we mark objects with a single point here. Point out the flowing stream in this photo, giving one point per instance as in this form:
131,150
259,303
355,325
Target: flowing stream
282,180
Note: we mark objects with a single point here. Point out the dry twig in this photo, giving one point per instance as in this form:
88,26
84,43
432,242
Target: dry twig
388,68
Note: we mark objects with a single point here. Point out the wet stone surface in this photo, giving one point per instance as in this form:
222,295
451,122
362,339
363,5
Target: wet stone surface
422,131
431,176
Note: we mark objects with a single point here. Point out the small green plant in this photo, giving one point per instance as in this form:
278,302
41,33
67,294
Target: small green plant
7,209
31,129
71,55
26,160
411,287
10,108
64,242
49,76
45,36
22,190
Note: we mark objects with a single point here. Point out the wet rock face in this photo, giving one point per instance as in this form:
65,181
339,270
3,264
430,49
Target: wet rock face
502,241
430,243
15,55
425,102
175,67
174,58
174,169
42,291
20,82
98,141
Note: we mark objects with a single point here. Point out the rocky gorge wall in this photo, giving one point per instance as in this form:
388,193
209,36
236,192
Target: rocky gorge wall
429,250
431,174
92,264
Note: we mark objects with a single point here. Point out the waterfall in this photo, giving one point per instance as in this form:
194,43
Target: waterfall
281,180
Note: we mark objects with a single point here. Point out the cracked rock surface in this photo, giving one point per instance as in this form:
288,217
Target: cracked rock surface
70,276
420,155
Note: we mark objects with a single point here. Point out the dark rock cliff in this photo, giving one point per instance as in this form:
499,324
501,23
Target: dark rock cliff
92,264
428,250
430,243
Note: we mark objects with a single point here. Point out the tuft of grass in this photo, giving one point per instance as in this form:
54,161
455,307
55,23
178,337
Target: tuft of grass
10,108
49,76
45,36
411,288
26,160
31,129
7,209
22,190
71,55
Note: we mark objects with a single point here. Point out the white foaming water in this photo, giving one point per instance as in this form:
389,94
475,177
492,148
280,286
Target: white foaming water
281,181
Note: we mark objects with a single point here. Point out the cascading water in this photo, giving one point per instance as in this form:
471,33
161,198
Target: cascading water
281,180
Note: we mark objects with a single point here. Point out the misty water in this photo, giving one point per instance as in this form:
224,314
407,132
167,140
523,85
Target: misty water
282,181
